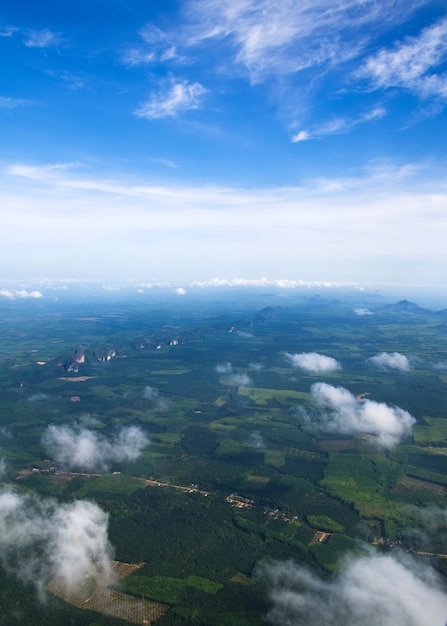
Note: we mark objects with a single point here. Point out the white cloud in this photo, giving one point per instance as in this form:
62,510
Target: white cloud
38,397
374,589
231,377
257,440
363,311
257,367
138,56
180,291
83,449
44,38
5,432
339,125
341,412
179,97
342,229
8,31
156,48
72,80
390,360
40,172
40,540
428,530
224,368
313,362
270,38
302,135
282,283
154,396
21,294
415,64
238,380
10,103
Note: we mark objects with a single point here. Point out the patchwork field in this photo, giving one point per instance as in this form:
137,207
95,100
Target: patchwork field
209,452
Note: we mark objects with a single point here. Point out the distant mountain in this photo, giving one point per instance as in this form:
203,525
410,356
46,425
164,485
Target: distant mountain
404,306
72,365
266,314
321,301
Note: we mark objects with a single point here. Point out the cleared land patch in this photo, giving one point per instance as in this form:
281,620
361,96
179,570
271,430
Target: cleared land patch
94,597
435,433
262,396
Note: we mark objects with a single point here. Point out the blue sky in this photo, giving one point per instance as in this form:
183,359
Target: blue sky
301,140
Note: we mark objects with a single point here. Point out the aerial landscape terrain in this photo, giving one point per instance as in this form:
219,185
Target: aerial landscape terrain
205,458
223,313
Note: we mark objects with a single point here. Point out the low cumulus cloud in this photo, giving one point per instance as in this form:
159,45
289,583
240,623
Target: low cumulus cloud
231,377
76,447
90,420
20,293
429,528
154,396
38,397
257,367
238,380
5,432
313,362
341,412
41,540
224,368
390,360
257,440
372,589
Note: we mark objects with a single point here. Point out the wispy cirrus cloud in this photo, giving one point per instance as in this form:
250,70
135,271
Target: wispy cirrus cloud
155,47
276,39
267,39
71,80
44,38
44,173
8,31
415,64
177,97
11,103
339,125
309,48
